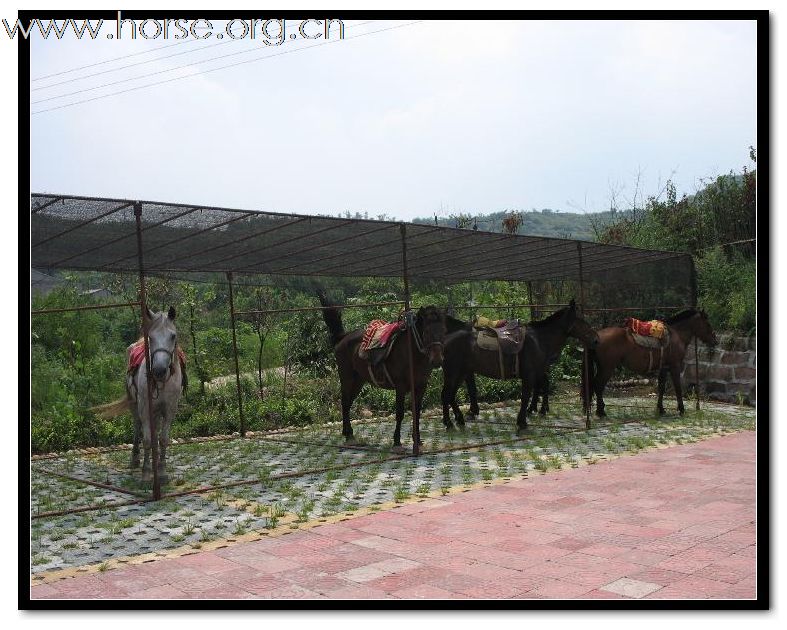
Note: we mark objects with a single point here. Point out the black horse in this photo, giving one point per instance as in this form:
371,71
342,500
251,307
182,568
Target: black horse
428,336
544,340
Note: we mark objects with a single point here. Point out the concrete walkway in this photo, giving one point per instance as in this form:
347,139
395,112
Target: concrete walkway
675,523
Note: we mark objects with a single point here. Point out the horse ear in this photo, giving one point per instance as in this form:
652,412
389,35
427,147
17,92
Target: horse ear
171,313
148,314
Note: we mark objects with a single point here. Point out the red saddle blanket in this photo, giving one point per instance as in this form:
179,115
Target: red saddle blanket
136,354
377,334
653,328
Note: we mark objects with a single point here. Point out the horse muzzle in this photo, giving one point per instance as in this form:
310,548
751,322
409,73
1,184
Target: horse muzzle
435,354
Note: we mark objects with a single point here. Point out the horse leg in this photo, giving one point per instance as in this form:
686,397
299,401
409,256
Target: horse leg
472,394
545,396
675,373
521,420
662,385
397,437
448,398
534,402
147,471
599,383
163,443
349,394
137,437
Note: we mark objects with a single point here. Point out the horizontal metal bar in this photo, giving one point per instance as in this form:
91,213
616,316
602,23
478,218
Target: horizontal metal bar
316,308
95,307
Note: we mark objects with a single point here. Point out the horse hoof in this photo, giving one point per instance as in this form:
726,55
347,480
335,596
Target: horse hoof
398,449
681,411
134,464
471,417
449,427
522,431
543,412
662,412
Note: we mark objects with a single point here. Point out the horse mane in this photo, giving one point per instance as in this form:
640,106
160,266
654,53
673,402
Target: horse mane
453,324
679,317
540,323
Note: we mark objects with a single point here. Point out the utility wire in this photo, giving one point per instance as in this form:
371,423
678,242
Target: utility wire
158,72
232,65
141,63
100,63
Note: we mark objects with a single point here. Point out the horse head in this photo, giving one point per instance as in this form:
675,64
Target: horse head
430,325
703,329
584,332
163,340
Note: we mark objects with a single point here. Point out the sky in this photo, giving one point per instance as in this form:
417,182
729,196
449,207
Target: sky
400,118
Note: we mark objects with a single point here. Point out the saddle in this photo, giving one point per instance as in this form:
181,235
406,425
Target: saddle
506,337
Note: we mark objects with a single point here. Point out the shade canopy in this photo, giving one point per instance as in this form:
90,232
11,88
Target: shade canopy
99,234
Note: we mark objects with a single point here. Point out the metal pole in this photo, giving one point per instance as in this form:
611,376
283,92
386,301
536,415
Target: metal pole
405,277
696,341
530,300
235,355
143,301
586,353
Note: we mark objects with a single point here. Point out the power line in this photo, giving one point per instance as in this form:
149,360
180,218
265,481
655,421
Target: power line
153,74
100,63
232,65
141,63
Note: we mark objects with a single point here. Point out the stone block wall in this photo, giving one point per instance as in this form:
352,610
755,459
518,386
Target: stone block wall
727,372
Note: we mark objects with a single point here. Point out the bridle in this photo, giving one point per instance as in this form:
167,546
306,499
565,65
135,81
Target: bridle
157,385
409,319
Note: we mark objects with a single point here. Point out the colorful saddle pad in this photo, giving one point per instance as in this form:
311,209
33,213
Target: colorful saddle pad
653,328
136,353
377,334
652,334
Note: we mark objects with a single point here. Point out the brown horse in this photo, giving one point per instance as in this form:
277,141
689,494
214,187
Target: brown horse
428,334
617,347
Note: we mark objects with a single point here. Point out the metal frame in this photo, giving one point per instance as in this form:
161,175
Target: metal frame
461,271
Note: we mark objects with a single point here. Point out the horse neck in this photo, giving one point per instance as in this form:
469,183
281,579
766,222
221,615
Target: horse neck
685,330
553,336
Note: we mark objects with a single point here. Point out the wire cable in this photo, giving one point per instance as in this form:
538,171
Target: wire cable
232,65
141,63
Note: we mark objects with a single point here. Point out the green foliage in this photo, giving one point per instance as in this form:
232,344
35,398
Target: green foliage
723,213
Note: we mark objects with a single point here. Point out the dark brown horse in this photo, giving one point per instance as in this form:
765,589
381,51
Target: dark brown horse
617,347
544,340
428,333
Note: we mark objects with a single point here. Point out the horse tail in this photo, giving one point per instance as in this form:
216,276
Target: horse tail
591,375
332,317
113,409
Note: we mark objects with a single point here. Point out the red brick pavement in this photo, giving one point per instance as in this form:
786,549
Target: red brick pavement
674,523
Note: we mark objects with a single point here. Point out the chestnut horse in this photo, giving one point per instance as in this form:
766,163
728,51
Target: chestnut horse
428,331
544,340
617,347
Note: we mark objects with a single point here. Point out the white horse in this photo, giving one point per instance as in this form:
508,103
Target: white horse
168,381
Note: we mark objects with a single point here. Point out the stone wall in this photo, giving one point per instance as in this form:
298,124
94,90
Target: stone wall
727,372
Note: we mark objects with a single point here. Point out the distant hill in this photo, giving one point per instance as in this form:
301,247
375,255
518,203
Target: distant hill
545,222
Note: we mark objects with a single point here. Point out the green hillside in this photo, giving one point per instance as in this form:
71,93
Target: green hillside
545,222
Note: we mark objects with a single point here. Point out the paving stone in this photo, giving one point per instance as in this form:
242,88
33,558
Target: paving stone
635,589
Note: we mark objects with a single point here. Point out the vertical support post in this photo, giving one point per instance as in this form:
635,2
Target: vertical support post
586,353
143,301
530,300
696,342
242,427
416,432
